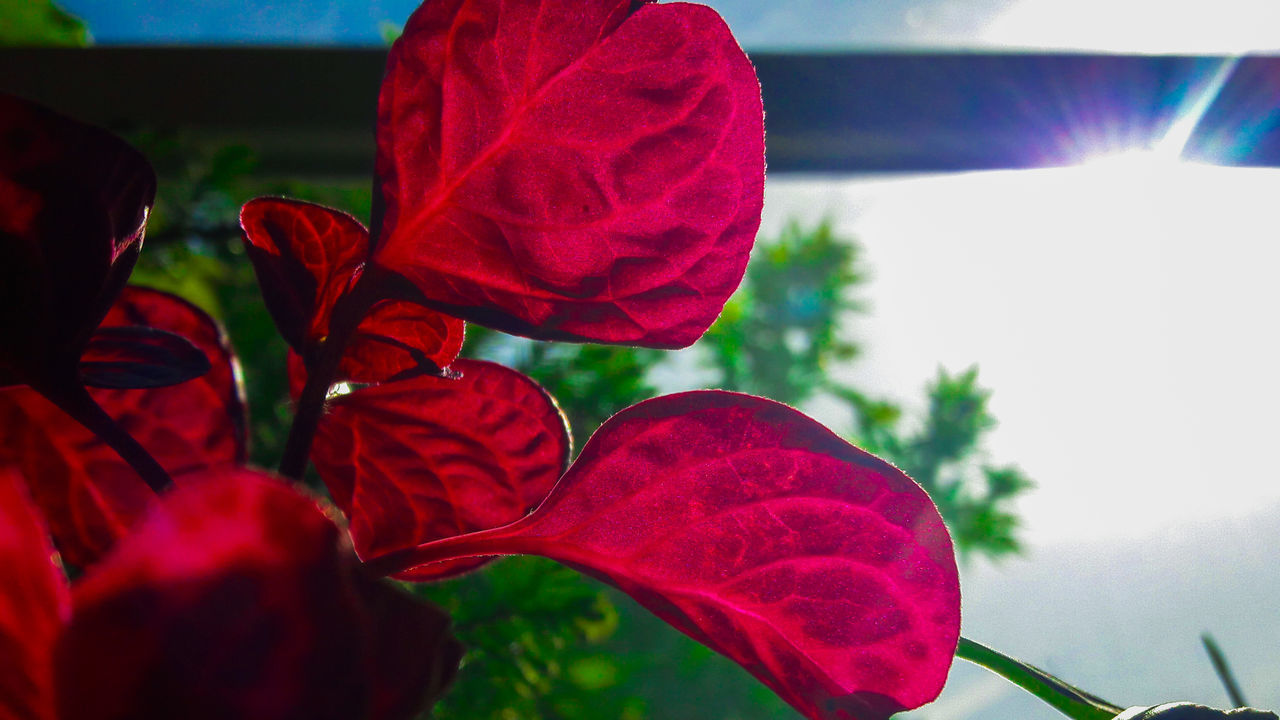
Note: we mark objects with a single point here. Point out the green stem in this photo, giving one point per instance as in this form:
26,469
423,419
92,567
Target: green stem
1220,666
1066,699
348,311
74,400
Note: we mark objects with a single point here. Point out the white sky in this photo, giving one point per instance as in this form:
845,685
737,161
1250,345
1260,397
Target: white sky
1157,26
1124,316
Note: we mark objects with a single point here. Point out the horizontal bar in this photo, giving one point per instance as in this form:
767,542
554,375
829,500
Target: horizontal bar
310,111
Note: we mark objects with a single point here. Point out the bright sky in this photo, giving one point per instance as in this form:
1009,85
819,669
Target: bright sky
1156,26
1123,312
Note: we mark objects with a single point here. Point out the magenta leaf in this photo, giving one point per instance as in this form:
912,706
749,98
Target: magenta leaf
237,598
34,603
134,356
88,493
568,169
426,458
824,571
73,206
309,256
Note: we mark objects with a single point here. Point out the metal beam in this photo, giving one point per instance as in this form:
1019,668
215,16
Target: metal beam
311,111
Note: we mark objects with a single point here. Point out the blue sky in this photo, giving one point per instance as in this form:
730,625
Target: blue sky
1107,25
758,23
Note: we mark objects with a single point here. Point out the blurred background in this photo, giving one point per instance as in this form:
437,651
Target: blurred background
1025,249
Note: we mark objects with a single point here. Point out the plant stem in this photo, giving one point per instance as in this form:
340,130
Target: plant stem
73,399
1221,667
347,313
503,540
1066,699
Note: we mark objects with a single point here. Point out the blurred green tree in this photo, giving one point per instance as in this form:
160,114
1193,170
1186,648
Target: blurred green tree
39,22
780,337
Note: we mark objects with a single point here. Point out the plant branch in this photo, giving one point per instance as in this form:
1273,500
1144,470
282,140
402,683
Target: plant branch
1066,699
348,311
74,400
1221,667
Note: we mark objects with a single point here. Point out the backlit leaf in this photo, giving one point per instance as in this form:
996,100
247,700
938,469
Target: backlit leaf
306,257
426,458
569,169
91,496
34,602
822,570
237,598
73,206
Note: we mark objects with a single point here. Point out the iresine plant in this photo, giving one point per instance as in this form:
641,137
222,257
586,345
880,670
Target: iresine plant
558,169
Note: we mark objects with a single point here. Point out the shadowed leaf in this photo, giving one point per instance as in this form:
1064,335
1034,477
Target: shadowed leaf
91,496
131,357
236,598
73,206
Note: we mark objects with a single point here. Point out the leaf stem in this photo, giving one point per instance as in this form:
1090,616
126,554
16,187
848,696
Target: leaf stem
73,399
503,540
1221,667
1066,699
348,311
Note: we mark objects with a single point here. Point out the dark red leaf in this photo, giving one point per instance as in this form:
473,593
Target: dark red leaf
563,170
236,598
824,571
89,495
306,257
73,206
396,338
427,458
34,603
413,656
131,357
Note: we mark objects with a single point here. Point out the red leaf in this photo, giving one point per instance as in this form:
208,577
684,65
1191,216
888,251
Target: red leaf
397,338
822,570
306,257
91,496
237,599
34,604
427,458
563,170
73,205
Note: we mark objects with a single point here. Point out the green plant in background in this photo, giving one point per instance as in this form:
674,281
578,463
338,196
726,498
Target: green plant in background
785,335
39,22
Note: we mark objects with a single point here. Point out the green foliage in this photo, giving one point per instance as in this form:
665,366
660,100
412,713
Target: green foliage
532,630
590,382
973,497
779,337
39,22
